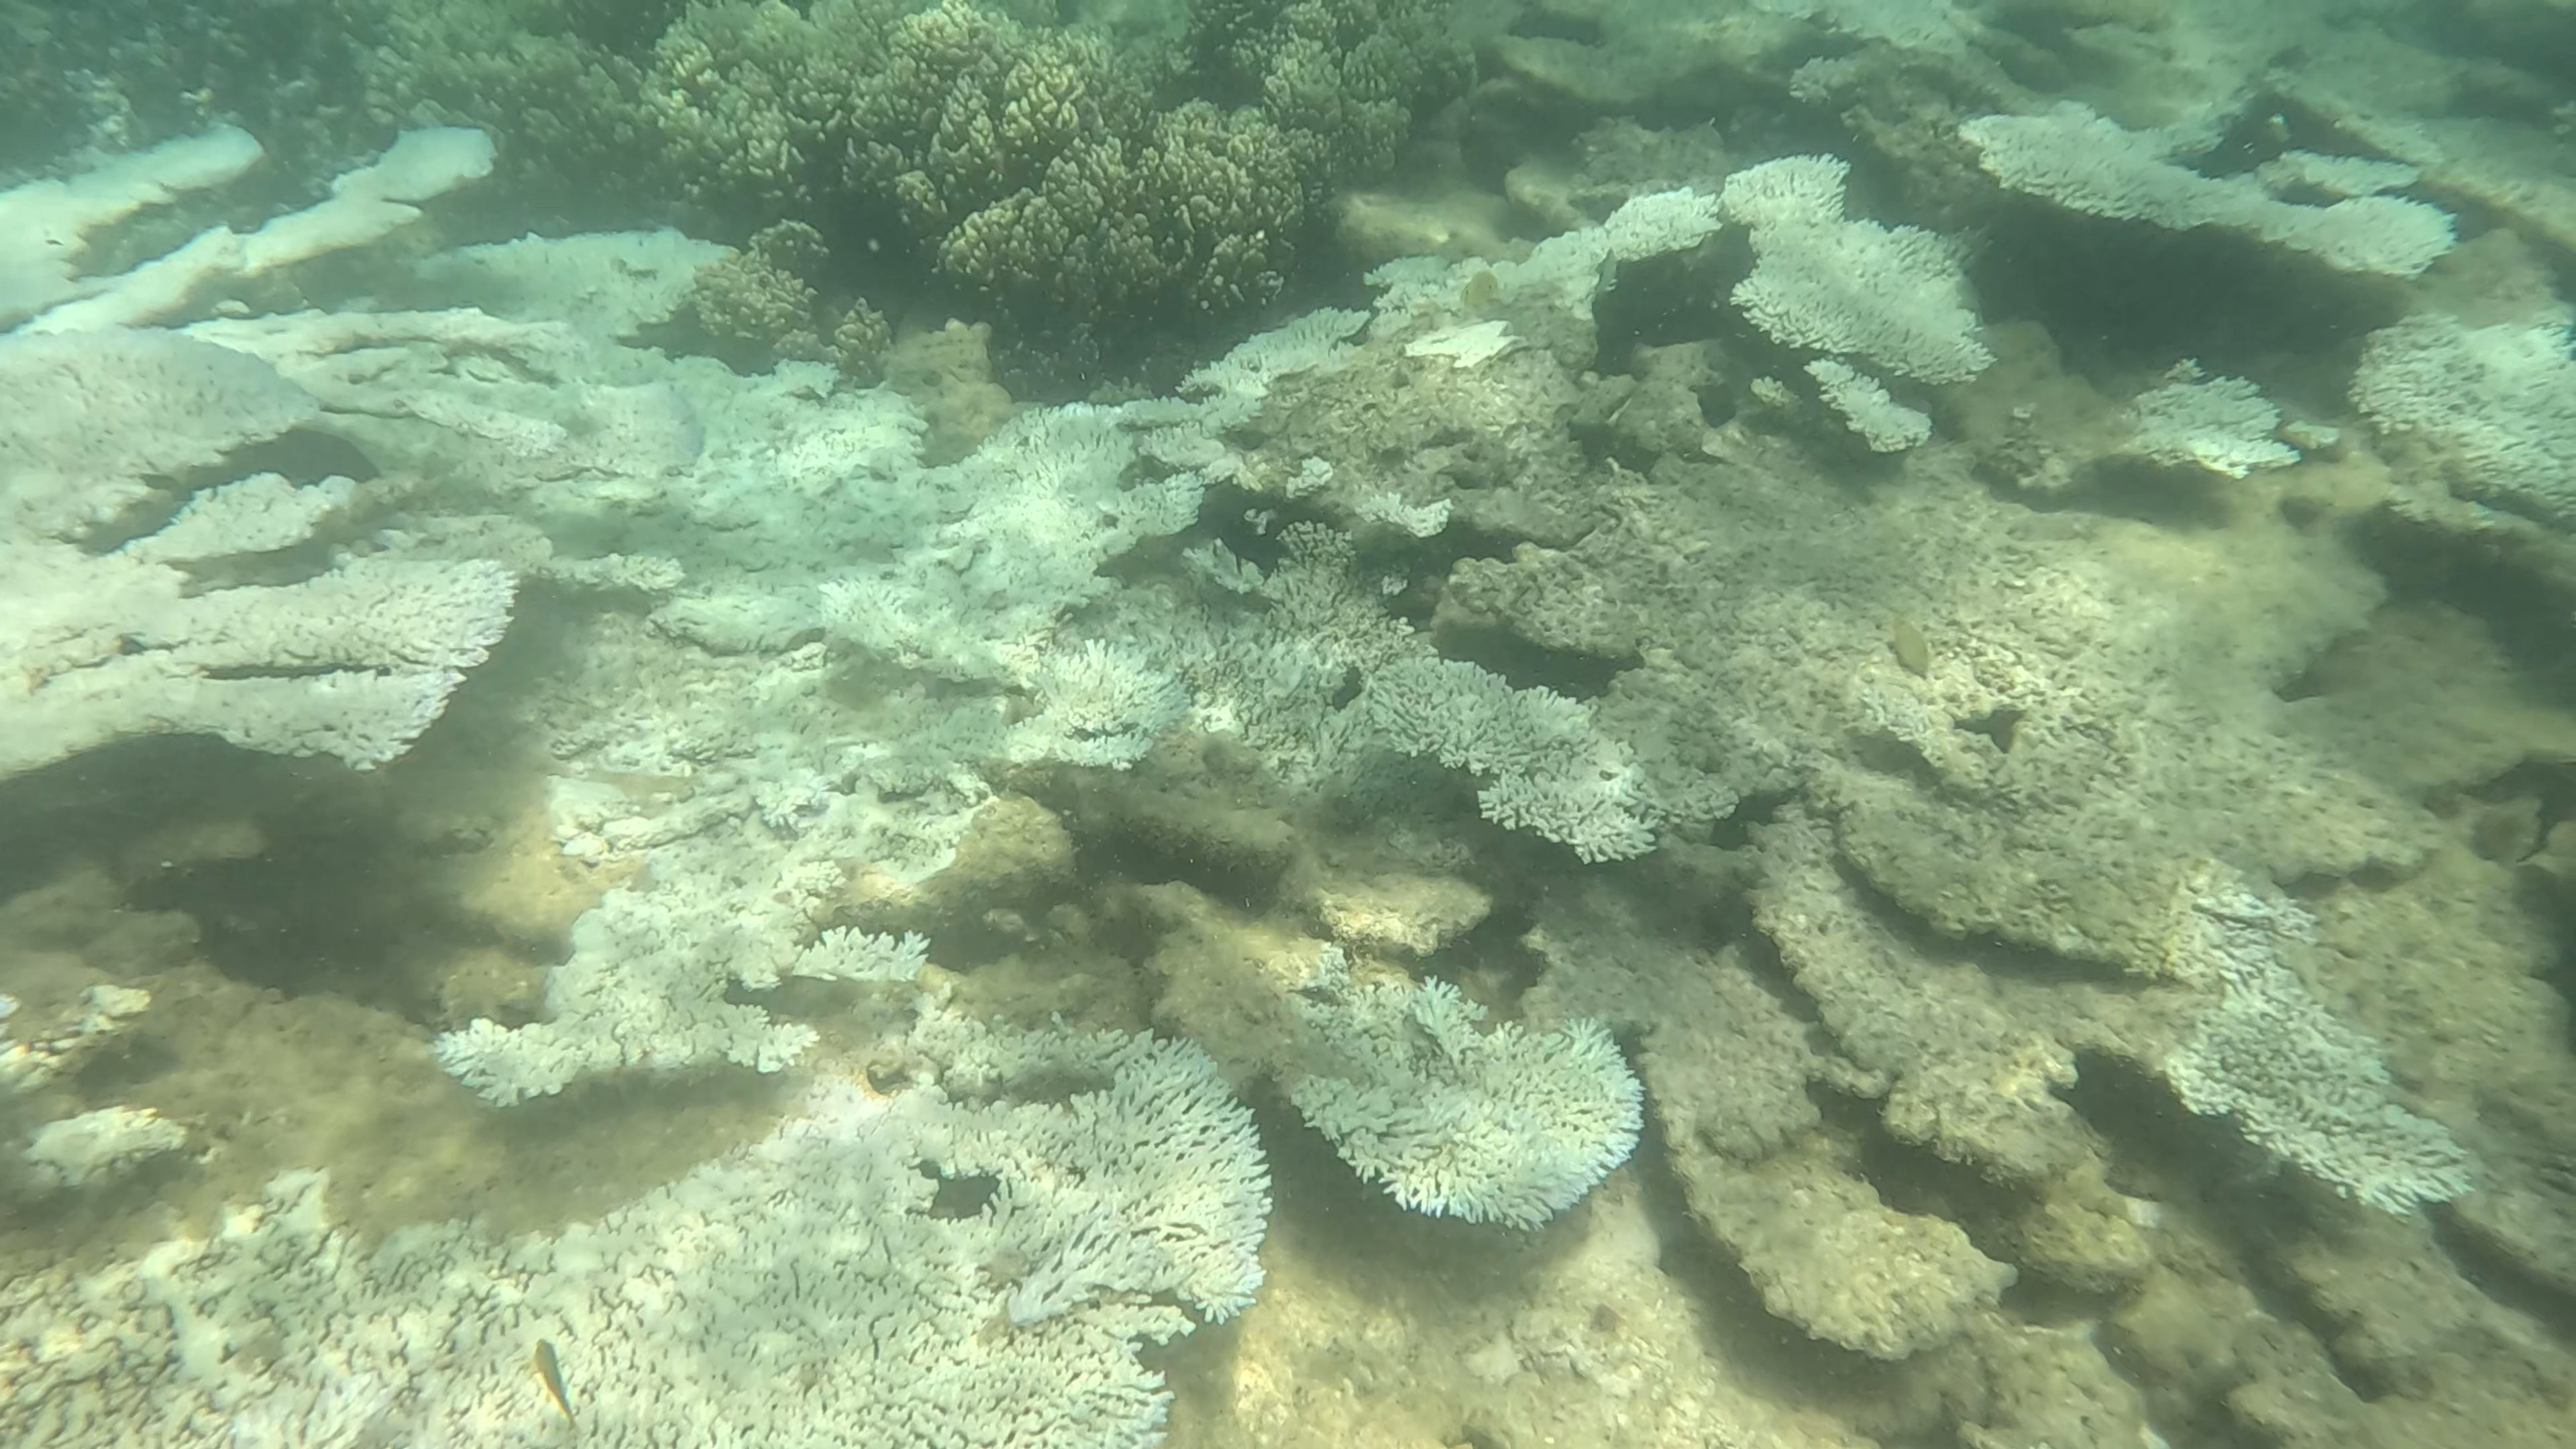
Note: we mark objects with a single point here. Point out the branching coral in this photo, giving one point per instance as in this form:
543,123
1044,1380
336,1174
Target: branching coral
1077,182
1041,166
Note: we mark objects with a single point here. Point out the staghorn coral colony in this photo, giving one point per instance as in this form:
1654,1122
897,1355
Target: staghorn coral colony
1790,724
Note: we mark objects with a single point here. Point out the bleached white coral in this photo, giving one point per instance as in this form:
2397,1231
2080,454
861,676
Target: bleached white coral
1466,345
354,663
1547,769
44,225
28,1062
518,413
1101,704
2336,175
844,954
1230,389
88,1147
1888,426
1565,269
1659,223
2222,424
257,514
92,1147
94,417
648,983
2298,1081
1894,296
1791,191
1272,678
1269,675
743,860
1386,506
1600,812
364,205
1220,567
2087,163
607,284
2500,400
801,1292
1037,510
1152,1135
1501,1126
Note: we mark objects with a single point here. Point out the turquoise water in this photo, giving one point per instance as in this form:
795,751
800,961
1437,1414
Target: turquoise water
1803,723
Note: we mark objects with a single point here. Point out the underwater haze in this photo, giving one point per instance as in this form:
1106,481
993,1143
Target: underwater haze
1287,724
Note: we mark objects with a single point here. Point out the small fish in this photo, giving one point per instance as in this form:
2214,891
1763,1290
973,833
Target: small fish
1913,651
550,1373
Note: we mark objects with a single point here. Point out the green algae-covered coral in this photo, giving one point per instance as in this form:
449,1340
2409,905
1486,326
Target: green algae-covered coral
1073,181
320,82
760,307
1200,215
1341,78
559,82
120,75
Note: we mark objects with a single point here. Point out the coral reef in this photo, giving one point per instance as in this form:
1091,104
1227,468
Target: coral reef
2083,162
2299,1082
1139,1196
1870,756
1037,165
353,661
1074,183
1495,1126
